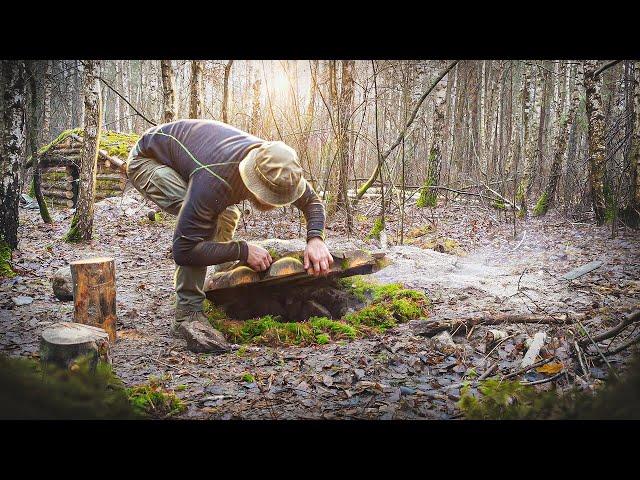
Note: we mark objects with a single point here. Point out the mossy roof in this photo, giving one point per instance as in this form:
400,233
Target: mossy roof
116,144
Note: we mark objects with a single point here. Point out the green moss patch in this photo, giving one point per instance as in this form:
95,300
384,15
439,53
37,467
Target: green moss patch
73,235
616,399
377,228
116,144
376,316
154,400
420,231
271,330
506,400
542,205
277,256
442,245
29,391
5,258
388,305
499,204
428,196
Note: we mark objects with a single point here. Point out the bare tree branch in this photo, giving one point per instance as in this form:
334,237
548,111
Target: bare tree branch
368,183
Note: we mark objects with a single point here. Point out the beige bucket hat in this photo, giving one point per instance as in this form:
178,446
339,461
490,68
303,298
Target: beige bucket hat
272,172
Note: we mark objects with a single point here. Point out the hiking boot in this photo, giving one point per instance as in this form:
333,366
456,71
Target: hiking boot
201,337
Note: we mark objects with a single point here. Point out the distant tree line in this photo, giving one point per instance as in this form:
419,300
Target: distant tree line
531,134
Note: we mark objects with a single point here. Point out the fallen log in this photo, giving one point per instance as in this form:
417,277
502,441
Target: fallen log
65,170
432,327
110,187
56,176
94,293
116,162
59,203
53,185
68,151
58,193
110,177
64,344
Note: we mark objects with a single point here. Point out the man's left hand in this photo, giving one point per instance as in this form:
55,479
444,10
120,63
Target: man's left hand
317,259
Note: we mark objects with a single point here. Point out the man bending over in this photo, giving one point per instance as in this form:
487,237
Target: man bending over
198,170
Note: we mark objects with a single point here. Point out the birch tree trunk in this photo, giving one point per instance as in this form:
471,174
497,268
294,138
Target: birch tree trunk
82,223
309,114
518,125
458,122
634,157
344,134
46,105
530,127
256,117
595,133
428,196
564,122
13,147
168,92
225,91
332,181
32,137
76,102
475,140
153,87
195,89
68,97
117,108
125,117
545,100
143,95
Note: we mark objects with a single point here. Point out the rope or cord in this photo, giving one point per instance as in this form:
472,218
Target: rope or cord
202,166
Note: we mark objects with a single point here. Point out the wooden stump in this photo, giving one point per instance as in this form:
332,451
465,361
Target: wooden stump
94,293
64,343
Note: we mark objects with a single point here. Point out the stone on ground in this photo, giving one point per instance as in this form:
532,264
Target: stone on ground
62,284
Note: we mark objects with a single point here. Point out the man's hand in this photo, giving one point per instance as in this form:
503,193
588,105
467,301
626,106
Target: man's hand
258,258
317,258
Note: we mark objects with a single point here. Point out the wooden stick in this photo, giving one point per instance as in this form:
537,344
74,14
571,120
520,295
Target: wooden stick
488,372
631,318
544,380
526,369
119,164
624,345
430,327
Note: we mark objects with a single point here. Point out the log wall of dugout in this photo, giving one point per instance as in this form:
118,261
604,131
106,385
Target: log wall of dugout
94,293
60,174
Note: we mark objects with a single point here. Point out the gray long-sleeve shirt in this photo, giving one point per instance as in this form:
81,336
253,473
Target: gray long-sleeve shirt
206,154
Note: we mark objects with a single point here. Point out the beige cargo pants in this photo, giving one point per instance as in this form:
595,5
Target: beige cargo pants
166,188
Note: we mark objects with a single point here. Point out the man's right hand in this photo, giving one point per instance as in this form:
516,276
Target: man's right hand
258,259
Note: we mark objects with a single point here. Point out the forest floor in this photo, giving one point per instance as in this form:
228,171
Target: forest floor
401,374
